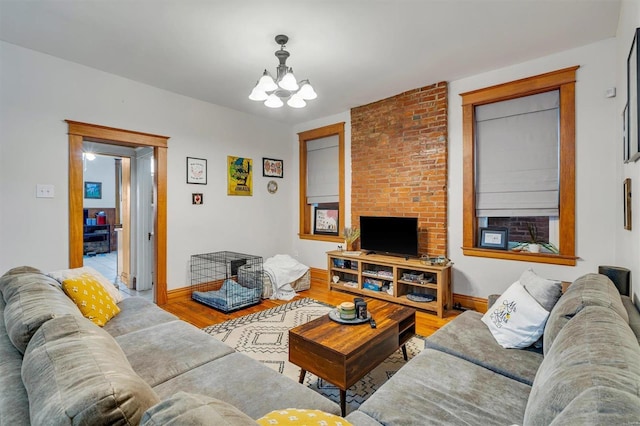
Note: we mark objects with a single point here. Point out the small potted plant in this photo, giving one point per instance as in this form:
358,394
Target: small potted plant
350,237
535,242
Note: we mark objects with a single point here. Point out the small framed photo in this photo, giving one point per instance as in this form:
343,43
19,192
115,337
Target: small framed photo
197,170
627,204
272,167
326,221
196,198
93,190
494,238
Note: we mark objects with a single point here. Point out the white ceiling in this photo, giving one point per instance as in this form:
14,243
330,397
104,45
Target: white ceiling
353,51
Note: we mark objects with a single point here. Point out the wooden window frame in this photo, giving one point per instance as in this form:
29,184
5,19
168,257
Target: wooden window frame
306,223
564,81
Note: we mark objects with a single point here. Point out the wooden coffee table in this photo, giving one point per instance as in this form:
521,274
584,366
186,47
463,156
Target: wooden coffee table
342,354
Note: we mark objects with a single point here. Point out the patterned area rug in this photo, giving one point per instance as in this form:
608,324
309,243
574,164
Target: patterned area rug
264,336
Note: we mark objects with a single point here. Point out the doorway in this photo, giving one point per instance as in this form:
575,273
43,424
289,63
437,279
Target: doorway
84,132
122,205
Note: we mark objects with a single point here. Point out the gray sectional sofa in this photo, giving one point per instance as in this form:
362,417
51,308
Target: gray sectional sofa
56,367
587,374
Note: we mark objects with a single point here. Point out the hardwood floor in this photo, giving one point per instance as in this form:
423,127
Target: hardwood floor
201,315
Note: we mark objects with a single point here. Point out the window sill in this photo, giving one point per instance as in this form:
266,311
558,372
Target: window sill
328,238
556,259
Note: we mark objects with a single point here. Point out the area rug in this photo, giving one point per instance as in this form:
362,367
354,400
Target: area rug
264,336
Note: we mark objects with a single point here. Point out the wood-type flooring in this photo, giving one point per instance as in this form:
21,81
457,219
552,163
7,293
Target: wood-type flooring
201,315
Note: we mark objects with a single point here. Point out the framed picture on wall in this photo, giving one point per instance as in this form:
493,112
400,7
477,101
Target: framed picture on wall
627,203
272,167
633,101
93,190
625,134
197,170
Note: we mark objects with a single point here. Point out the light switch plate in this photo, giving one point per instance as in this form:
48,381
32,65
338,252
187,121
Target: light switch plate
45,191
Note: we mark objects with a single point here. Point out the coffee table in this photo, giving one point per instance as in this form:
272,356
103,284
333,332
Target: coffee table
342,353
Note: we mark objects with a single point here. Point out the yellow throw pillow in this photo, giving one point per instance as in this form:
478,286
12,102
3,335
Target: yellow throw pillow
92,299
300,417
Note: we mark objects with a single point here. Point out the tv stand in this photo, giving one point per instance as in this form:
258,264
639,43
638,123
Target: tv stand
392,279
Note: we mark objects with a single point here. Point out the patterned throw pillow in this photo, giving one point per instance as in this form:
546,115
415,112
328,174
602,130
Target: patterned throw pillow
92,299
293,416
516,320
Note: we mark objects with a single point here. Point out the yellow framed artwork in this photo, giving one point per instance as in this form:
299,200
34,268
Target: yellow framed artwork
239,176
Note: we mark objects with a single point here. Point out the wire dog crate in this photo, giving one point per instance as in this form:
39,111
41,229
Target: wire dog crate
226,280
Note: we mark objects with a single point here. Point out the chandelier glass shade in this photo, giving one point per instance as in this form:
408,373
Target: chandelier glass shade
285,87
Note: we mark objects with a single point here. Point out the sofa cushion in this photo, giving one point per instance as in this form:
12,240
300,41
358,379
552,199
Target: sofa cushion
467,337
137,313
595,348
75,373
20,270
14,404
361,419
437,388
91,298
634,315
588,290
176,346
262,389
516,320
192,409
64,274
301,417
600,405
32,299
546,292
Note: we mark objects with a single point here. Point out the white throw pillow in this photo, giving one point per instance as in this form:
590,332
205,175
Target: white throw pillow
516,320
64,274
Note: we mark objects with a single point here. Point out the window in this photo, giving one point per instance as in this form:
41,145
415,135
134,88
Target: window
519,165
321,178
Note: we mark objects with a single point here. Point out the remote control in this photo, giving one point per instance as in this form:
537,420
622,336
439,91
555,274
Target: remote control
372,322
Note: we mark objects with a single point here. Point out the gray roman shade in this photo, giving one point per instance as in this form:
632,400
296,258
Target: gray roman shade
517,157
322,170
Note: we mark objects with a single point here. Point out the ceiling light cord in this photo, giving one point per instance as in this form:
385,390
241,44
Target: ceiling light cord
285,86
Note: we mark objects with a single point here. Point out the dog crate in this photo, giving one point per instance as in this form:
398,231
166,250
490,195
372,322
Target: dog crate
226,280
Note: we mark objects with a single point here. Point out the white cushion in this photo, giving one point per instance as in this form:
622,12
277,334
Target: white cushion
64,274
516,320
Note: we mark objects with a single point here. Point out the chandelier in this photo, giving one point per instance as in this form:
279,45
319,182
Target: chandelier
285,86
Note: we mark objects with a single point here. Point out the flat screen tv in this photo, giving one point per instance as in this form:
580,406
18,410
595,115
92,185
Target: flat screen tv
389,235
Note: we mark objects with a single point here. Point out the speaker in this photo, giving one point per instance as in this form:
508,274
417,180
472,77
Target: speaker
621,277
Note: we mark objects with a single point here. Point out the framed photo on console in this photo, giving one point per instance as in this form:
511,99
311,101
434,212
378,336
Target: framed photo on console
494,238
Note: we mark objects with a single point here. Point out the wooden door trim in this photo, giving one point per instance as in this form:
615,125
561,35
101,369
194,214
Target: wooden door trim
80,132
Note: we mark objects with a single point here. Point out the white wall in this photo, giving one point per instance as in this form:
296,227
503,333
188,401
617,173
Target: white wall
628,242
310,252
597,187
37,92
102,169
598,211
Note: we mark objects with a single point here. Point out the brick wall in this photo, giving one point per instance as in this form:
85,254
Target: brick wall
399,162
519,229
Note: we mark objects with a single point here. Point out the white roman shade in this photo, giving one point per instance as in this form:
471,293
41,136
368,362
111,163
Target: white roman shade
322,170
517,157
